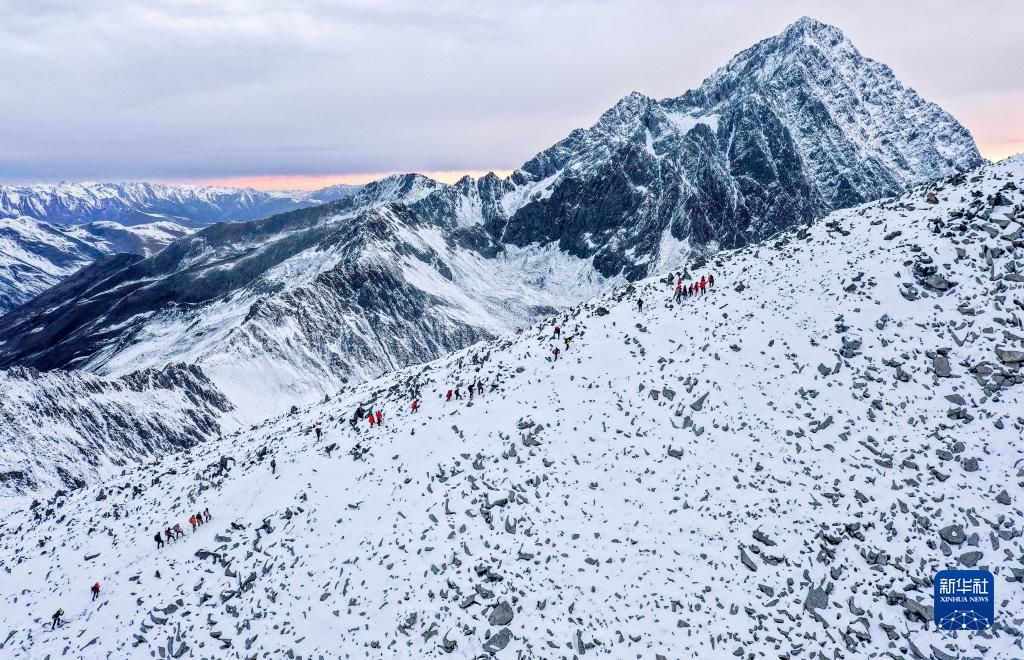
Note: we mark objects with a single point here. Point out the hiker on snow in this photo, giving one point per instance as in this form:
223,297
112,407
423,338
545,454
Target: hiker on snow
169,534
207,515
555,353
273,466
199,518
192,521
96,591
415,405
57,616
711,280
178,531
457,395
371,418
567,340
317,430
159,541
558,331
380,418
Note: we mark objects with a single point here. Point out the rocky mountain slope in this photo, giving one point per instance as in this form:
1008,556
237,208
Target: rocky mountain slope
62,430
775,469
140,203
407,269
36,255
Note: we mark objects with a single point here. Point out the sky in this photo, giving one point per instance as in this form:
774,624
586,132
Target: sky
304,93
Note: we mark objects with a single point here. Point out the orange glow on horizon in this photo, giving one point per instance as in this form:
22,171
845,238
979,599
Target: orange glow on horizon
1000,150
994,151
315,181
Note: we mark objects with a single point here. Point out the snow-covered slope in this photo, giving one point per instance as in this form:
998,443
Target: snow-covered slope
773,470
407,268
141,203
65,429
36,255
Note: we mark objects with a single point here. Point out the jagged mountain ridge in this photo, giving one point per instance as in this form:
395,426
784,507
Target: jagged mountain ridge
35,256
304,306
62,430
141,202
782,464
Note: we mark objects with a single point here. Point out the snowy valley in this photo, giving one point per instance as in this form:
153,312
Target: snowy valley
35,256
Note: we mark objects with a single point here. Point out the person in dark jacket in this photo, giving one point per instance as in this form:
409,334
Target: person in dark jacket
57,616
159,541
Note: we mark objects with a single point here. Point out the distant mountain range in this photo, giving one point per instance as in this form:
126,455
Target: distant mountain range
141,203
407,269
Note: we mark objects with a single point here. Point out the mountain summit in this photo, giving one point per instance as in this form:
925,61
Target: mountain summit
408,269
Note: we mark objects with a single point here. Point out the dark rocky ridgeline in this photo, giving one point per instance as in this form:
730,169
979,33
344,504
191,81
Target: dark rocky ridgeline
64,429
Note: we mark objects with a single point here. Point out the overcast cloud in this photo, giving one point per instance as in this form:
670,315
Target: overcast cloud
195,89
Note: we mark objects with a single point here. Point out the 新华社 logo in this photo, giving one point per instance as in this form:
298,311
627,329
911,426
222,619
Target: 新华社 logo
964,600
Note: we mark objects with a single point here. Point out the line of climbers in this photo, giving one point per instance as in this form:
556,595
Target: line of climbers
566,339
175,532
171,533
476,388
694,288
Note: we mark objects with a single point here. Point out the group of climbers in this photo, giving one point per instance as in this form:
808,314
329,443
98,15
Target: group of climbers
374,418
566,339
694,288
476,388
171,534
175,532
